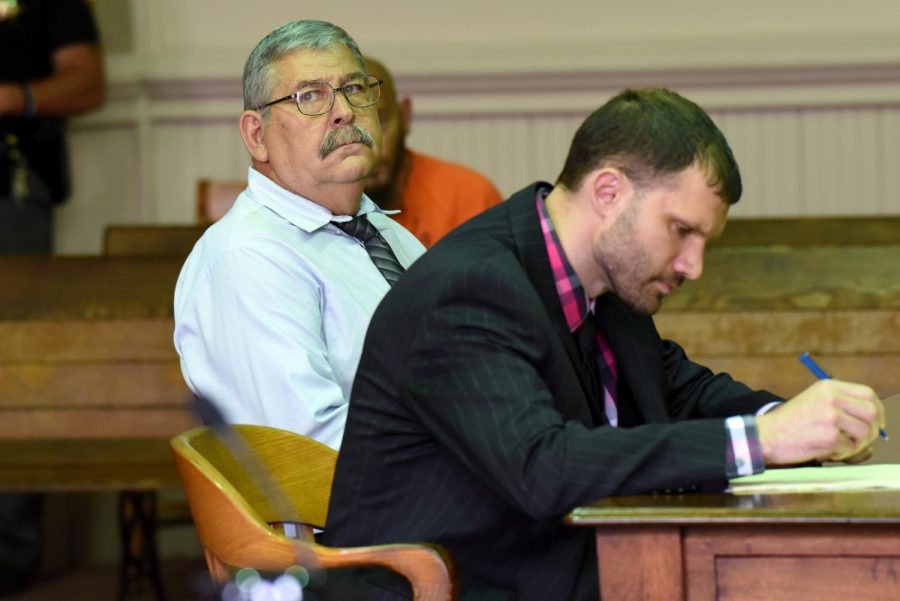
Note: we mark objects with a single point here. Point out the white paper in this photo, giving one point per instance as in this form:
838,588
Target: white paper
819,479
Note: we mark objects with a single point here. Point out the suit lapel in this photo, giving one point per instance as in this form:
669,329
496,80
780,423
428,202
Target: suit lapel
526,230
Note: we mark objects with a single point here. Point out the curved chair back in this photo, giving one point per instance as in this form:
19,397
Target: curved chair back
242,480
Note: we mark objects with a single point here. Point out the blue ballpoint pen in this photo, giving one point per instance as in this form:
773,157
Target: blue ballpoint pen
821,374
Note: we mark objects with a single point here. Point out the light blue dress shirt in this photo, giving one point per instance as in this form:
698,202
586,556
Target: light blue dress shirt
272,306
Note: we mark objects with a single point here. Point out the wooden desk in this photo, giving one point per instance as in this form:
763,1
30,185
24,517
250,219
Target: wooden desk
770,290
708,547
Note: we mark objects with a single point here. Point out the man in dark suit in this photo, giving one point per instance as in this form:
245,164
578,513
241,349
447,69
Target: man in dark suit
515,373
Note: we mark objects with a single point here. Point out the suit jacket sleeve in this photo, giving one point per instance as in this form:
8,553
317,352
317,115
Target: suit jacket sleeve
486,376
695,391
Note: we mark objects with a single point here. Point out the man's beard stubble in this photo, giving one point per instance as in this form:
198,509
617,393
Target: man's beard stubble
629,266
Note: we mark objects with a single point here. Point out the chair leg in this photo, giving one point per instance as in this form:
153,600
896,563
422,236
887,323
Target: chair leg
140,560
217,570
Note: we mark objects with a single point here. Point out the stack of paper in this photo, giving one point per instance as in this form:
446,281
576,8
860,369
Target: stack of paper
819,479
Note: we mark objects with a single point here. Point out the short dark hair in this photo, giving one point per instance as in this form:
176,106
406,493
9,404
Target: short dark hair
649,134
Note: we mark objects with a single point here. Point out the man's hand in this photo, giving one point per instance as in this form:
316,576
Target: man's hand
12,100
829,421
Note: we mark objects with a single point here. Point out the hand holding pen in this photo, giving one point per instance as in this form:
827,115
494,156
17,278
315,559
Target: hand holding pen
832,420
821,374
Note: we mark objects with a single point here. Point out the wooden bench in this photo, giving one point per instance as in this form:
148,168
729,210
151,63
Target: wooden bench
795,232
90,387
88,351
757,307
150,240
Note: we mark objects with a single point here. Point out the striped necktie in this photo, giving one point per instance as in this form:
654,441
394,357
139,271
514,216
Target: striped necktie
379,250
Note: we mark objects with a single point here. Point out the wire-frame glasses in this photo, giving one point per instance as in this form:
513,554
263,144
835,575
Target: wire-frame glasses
318,98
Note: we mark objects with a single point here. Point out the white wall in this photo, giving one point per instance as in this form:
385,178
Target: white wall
807,91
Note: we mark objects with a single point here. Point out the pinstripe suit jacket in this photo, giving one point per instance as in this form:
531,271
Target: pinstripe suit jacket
469,424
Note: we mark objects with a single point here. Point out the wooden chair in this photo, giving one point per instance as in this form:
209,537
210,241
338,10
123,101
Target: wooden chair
215,197
243,482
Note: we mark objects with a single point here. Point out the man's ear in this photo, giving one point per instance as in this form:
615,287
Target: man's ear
252,128
405,109
608,186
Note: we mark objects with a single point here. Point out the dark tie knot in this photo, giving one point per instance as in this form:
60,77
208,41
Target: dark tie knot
358,227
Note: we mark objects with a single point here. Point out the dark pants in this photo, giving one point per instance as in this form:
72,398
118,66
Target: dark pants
26,227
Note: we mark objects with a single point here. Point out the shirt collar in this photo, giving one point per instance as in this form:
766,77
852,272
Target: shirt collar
304,213
572,297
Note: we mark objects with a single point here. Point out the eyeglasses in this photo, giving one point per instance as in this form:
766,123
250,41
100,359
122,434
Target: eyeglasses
318,98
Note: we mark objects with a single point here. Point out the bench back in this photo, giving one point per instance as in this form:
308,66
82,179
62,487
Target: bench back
758,306
90,385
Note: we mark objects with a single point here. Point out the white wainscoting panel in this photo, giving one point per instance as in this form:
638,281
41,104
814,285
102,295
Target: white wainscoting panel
816,148
187,151
106,187
512,150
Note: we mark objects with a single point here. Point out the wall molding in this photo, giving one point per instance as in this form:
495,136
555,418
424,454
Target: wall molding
514,94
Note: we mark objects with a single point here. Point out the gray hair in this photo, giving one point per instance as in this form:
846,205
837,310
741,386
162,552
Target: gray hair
259,76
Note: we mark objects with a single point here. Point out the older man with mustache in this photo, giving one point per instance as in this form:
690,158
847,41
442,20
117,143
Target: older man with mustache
273,303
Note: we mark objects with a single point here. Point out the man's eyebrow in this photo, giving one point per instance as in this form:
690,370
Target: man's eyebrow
344,78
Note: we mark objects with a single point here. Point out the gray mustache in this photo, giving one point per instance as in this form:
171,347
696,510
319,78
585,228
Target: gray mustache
352,134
